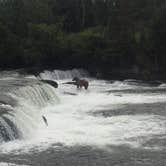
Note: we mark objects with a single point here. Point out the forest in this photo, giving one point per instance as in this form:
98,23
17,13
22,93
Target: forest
110,38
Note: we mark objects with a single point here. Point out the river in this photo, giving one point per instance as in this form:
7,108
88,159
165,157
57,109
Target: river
113,123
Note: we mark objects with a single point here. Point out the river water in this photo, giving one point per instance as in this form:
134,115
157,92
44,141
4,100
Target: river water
113,123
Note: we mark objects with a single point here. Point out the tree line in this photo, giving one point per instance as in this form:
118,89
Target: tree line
99,35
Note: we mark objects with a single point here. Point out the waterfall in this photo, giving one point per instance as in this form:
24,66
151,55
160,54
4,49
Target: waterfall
21,119
38,95
23,100
59,74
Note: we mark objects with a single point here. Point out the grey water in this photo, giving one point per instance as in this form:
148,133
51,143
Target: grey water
113,123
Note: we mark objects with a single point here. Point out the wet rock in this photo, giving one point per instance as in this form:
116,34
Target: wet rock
50,82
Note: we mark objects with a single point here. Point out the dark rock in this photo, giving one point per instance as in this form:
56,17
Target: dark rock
69,93
70,83
50,82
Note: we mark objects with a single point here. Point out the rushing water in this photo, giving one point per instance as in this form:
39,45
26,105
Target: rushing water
120,123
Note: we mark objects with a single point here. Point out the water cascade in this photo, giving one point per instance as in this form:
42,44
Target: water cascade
23,100
21,109
59,74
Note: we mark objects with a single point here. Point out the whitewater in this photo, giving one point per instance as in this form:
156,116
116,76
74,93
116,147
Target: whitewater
109,116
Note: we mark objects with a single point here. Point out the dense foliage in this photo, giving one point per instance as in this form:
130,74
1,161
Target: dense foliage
100,35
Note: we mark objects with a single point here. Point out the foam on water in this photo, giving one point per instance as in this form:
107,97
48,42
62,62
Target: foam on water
71,123
10,164
163,85
59,74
